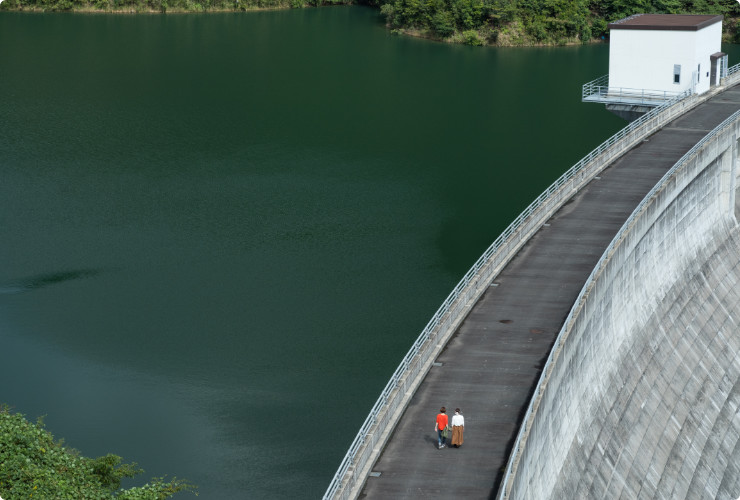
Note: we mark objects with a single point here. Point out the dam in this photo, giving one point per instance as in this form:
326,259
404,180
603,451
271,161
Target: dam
640,395
635,390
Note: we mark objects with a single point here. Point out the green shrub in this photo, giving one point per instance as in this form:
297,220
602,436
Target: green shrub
33,465
471,38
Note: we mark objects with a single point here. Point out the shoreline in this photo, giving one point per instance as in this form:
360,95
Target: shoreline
481,37
173,10
456,39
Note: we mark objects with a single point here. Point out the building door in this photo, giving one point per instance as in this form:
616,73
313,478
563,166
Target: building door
717,72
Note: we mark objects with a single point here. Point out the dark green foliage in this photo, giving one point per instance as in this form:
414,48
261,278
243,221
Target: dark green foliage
529,22
504,22
538,20
443,23
599,28
33,465
468,13
612,10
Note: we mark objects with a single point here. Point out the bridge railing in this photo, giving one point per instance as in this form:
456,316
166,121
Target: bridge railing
367,445
594,87
733,76
599,91
582,299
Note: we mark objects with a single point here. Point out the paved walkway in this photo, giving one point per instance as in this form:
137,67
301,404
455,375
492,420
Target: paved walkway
492,363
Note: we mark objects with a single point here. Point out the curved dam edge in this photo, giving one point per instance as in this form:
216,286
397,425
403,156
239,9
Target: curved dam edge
383,420
641,394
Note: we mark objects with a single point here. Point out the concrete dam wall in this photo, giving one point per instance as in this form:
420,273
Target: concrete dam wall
641,394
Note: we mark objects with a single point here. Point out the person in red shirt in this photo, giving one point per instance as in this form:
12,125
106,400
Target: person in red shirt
440,426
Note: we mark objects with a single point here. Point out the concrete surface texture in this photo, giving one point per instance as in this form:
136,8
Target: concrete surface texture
596,433
643,400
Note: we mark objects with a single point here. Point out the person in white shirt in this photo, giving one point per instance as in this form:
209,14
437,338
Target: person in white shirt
458,426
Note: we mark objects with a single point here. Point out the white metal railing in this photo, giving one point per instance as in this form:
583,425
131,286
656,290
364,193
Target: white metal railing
599,91
732,71
594,87
520,442
363,451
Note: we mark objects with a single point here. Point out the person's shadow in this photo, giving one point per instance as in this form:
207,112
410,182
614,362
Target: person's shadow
432,439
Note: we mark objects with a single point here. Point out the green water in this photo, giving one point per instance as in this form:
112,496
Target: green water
219,234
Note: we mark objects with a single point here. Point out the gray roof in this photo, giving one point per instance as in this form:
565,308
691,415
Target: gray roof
672,22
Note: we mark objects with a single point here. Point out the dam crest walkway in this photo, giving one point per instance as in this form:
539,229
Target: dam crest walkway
490,366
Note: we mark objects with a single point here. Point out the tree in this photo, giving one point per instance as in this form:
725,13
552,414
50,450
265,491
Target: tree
33,465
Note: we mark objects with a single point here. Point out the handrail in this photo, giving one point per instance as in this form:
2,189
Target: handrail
594,86
456,306
733,76
598,90
520,442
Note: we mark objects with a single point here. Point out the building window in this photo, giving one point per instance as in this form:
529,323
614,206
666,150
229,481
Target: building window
676,73
698,73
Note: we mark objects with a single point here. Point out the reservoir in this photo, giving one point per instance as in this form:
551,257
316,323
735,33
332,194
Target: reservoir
220,234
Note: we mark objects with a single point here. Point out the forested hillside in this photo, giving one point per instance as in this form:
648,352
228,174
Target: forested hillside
535,22
474,22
